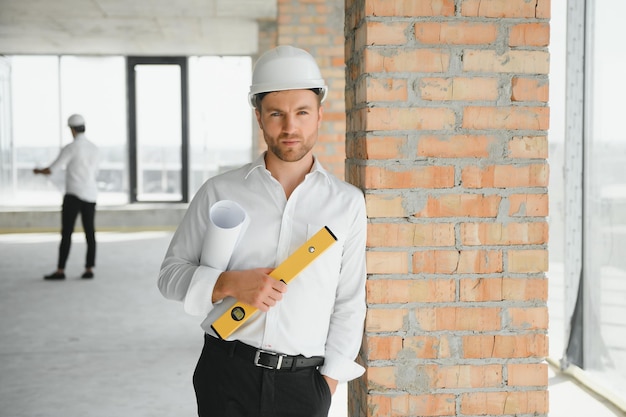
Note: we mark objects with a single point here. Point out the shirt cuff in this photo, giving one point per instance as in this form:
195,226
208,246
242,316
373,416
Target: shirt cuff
198,300
340,368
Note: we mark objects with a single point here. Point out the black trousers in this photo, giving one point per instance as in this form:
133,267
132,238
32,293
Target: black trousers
226,385
73,205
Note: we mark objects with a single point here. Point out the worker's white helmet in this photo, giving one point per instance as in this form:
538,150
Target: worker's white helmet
286,68
75,120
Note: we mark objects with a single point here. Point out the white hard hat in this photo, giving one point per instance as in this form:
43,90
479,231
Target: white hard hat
75,120
286,68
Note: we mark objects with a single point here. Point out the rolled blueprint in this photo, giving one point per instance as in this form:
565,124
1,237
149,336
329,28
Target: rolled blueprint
227,223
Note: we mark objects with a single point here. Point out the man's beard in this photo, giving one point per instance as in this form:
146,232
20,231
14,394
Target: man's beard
292,154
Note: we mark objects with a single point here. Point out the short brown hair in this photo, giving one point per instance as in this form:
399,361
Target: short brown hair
259,97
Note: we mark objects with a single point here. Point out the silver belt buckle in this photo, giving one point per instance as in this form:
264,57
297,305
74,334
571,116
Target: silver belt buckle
257,356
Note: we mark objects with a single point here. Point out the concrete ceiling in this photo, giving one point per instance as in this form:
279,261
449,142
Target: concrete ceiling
132,27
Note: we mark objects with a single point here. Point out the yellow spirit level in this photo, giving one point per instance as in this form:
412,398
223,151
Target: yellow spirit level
232,319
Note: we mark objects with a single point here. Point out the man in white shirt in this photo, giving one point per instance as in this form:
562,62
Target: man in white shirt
80,161
287,359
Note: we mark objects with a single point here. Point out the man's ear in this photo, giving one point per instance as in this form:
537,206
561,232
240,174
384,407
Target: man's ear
320,114
257,113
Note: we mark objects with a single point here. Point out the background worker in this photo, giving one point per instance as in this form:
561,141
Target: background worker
80,161
288,358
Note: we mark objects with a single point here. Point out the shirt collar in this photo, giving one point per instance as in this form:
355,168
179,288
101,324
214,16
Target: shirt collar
259,162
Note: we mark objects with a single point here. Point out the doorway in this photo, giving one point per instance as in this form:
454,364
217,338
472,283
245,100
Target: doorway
158,129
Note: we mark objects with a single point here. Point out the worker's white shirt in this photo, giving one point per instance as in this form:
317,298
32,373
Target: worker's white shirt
80,160
323,310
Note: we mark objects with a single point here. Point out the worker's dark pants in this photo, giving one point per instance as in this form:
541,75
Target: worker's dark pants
73,205
229,386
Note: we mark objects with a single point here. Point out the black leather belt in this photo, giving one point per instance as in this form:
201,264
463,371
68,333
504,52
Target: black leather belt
265,358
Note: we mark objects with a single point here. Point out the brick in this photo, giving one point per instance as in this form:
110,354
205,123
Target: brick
389,291
426,405
527,261
383,89
460,205
435,261
377,147
501,289
458,318
409,235
467,376
425,118
517,61
530,34
389,60
480,262
480,289
488,234
384,205
296,30
409,177
505,346
527,374
387,262
528,205
525,289
459,89
509,8
528,318
384,33
409,8
509,403
509,118
528,147
385,320
383,347
529,89
455,33
380,378
505,176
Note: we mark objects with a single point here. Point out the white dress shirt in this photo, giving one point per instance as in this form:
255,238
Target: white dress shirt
323,310
80,160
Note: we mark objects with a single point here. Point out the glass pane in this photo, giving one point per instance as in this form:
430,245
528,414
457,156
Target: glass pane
159,134
36,131
556,140
45,91
7,183
95,88
605,202
220,117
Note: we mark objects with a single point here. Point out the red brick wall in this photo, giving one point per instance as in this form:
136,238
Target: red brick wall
268,36
317,26
447,118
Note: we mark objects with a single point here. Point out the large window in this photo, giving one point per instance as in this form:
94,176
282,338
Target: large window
38,93
221,134
604,229
588,192
158,136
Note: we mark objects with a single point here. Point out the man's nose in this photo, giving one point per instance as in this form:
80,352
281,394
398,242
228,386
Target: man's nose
289,123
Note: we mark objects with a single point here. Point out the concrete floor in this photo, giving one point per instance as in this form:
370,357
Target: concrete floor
113,346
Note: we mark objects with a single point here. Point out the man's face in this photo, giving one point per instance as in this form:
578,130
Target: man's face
290,120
